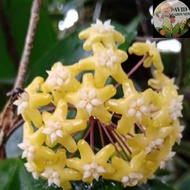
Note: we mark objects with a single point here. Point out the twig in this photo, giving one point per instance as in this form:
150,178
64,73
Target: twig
28,44
6,116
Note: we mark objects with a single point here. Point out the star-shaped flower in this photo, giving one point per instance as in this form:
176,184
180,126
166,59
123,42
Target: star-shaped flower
131,180
90,100
100,32
141,48
106,62
134,107
29,101
153,139
180,135
52,176
131,172
107,58
103,27
22,102
167,157
54,129
57,76
33,142
137,109
30,168
176,107
91,165
154,145
162,83
62,78
28,149
58,129
57,173
94,170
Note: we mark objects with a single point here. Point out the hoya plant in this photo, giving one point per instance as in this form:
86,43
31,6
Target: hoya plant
125,139
88,125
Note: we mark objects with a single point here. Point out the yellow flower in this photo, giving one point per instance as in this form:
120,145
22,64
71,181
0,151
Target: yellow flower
141,126
91,165
132,172
58,129
90,100
163,84
134,107
29,101
32,169
141,48
106,62
56,172
60,80
33,148
166,158
100,32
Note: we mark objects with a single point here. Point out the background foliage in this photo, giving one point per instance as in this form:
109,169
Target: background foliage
133,20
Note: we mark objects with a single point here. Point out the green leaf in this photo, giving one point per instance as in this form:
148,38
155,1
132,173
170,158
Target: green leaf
14,175
134,24
68,50
102,184
184,182
6,65
129,32
19,21
156,184
183,148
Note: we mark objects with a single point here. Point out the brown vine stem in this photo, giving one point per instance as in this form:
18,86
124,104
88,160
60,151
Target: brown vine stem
6,116
28,44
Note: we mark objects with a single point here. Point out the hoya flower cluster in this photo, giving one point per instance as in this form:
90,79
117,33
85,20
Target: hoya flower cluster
78,130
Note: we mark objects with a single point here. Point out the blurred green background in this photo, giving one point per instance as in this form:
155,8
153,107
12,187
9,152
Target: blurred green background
57,40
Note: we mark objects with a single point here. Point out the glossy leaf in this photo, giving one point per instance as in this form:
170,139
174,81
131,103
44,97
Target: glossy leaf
68,50
14,175
19,21
155,184
183,148
184,182
130,32
5,60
